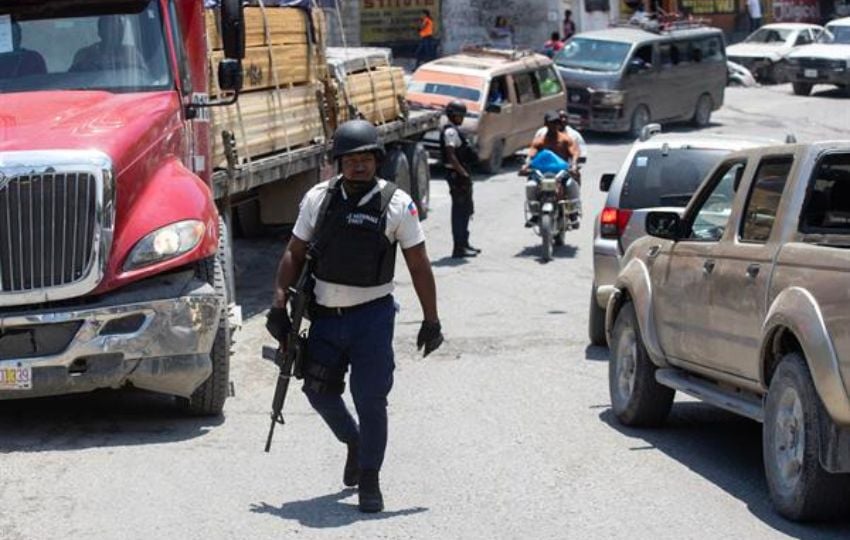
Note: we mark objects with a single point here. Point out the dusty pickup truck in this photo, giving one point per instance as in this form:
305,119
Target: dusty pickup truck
742,302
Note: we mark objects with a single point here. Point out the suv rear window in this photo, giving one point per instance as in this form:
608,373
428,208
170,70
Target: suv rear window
667,178
827,208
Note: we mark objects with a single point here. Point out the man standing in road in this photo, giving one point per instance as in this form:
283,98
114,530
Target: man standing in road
457,159
426,50
754,11
350,227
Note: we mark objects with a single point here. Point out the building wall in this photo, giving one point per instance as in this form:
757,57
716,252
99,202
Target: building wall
350,12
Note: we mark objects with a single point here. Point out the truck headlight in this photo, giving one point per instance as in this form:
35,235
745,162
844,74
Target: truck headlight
166,243
609,98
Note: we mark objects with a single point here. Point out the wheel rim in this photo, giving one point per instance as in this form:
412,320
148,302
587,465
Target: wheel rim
789,440
626,368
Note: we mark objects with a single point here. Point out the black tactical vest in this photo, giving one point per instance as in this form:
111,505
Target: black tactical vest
354,248
464,154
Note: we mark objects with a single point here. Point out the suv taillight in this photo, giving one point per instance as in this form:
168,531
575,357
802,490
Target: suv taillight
614,221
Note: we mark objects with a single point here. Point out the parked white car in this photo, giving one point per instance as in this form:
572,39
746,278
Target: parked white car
825,62
768,47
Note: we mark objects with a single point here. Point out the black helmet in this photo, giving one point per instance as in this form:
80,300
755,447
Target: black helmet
456,107
551,116
356,136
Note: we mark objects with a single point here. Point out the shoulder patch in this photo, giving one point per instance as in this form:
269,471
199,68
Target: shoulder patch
412,210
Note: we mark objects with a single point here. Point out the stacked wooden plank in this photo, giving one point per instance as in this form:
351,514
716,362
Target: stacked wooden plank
366,85
284,65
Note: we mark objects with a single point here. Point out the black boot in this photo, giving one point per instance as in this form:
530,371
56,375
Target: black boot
470,247
463,252
371,500
351,474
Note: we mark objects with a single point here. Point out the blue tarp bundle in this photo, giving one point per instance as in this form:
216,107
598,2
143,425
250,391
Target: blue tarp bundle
547,161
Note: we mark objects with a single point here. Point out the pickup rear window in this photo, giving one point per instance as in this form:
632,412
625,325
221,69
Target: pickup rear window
827,208
667,177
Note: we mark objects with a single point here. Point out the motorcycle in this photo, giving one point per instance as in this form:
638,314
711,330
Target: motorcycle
552,206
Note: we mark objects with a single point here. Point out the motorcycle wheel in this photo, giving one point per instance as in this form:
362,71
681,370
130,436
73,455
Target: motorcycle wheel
546,234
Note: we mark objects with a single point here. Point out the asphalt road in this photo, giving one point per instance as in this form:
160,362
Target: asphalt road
505,432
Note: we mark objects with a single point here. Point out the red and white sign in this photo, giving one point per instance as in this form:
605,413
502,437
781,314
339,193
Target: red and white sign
796,11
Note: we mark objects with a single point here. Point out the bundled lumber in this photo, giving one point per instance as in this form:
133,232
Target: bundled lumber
285,26
264,67
375,95
271,121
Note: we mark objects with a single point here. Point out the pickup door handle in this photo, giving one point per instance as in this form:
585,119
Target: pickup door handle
753,270
653,252
708,267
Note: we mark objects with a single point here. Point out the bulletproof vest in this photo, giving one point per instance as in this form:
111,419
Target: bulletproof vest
354,249
464,153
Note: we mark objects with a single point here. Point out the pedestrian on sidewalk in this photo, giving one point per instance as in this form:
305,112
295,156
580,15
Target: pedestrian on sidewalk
350,226
569,25
427,48
502,34
754,11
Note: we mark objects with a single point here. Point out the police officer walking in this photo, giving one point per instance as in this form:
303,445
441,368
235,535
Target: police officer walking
457,157
352,225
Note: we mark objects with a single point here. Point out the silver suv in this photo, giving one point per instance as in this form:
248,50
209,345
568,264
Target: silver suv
661,172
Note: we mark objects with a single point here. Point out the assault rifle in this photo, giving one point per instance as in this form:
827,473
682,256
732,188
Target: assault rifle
289,356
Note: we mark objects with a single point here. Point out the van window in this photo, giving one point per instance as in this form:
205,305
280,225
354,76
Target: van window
525,87
548,82
498,92
711,49
644,56
443,89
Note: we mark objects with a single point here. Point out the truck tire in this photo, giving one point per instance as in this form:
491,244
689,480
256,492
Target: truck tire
636,397
420,174
802,88
248,216
493,164
702,111
799,487
208,399
596,321
640,118
396,169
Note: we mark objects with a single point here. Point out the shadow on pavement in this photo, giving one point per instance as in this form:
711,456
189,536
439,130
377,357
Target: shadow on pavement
256,262
596,354
328,511
97,419
725,449
449,262
558,252
832,93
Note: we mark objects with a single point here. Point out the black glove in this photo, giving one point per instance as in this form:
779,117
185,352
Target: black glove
430,337
278,323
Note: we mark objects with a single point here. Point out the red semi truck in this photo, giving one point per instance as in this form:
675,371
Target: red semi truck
115,264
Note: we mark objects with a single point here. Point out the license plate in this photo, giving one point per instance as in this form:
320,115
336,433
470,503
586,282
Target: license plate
810,73
16,378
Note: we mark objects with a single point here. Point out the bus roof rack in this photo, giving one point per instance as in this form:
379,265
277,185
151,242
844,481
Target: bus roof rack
662,22
486,50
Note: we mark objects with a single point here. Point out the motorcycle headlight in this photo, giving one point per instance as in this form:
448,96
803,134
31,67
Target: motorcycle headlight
166,243
609,98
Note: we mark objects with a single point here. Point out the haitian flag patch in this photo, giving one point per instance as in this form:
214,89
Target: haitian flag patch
412,209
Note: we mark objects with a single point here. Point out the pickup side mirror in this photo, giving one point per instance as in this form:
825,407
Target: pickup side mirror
493,108
606,181
667,225
233,29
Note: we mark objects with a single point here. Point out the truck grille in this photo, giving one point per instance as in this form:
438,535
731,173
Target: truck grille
821,63
47,230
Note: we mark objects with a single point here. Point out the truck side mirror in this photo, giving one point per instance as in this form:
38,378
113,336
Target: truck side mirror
230,75
233,29
667,225
606,181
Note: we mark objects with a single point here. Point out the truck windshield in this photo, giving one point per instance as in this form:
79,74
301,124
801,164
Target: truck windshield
119,47
835,34
592,54
667,177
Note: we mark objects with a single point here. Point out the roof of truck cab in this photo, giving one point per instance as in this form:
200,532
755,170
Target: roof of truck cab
629,34
718,142
487,64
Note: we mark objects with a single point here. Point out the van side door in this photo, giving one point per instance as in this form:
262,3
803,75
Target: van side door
639,81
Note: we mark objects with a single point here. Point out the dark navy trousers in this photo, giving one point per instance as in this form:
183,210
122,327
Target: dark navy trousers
361,339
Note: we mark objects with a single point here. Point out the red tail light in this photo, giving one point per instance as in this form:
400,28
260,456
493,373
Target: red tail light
614,221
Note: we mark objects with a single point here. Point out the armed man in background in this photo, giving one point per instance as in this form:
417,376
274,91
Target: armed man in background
458,157
362,219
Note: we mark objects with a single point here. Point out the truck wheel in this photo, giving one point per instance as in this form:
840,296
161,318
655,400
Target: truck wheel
802,88
208,399
248,216
799,487
640,118
636,397
596,321
493,165
420,174
396,169
702,112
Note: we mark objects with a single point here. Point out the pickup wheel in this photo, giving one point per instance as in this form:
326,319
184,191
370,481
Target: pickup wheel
636,397
799,487
420,176
596,321
802,88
